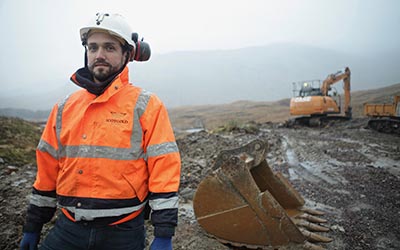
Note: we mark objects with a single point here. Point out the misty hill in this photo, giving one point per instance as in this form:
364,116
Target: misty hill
26,114
212,116
258,73
263,73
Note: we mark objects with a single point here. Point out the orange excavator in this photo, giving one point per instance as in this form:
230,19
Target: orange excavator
313,105
245,205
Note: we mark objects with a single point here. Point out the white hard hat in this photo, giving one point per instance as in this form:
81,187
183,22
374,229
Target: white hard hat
115,24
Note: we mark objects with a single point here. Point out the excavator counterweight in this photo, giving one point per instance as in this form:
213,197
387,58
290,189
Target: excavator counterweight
243,203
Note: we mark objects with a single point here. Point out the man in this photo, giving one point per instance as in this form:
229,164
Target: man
106,151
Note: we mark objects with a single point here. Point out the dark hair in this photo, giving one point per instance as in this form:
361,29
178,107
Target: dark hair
126,47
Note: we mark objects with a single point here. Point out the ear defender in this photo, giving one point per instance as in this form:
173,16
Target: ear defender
142,51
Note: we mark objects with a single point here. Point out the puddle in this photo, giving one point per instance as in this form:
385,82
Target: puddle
311,171
317,171
290,154
293,175
390,165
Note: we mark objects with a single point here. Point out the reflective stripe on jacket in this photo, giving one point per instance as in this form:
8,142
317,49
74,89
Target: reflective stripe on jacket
102,155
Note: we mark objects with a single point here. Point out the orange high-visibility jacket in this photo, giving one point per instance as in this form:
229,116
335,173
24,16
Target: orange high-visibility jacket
102,155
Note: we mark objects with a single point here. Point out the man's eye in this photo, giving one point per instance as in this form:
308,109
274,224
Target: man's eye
92,48
110,48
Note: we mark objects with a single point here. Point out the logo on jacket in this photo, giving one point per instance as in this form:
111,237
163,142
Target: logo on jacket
117,117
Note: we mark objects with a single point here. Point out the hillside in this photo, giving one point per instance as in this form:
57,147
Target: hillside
187,78
212,116
18,141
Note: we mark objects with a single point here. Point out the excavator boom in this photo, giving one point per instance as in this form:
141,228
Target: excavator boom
334,78
243,203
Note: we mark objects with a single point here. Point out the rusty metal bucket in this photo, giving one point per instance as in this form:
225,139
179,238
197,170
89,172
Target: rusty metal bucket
243,203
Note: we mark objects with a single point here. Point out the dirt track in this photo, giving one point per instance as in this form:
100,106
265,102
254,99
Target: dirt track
350,173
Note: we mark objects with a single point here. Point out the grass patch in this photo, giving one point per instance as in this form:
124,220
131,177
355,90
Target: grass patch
18,140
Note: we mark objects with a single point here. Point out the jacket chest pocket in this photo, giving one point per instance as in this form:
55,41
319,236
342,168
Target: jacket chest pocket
109,132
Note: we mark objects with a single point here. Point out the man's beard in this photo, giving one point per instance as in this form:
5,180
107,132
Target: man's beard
103,73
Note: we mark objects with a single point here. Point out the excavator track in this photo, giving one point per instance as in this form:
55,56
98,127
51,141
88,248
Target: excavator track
245,205
386,125
315,121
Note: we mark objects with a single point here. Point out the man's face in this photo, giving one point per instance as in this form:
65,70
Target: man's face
105,56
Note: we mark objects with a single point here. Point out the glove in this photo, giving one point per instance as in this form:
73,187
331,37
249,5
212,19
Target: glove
160,243
29,241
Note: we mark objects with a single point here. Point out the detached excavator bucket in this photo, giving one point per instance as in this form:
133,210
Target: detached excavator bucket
243,203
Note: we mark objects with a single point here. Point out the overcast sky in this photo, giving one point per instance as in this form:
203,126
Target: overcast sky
40,38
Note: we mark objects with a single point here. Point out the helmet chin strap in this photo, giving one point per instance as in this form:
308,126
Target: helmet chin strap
86,58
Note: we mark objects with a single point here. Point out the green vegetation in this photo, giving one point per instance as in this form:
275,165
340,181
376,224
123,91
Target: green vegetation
18,141
233,125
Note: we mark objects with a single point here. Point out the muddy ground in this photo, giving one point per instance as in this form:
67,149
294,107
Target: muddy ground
349,172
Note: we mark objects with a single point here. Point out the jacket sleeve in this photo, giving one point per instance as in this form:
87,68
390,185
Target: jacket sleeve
43,204
164,165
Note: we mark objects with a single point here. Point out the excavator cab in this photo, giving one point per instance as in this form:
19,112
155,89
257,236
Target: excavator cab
244,204
308,90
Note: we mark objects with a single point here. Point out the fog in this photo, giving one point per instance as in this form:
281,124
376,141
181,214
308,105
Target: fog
41,46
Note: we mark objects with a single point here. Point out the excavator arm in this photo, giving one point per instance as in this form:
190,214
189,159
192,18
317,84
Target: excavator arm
334,78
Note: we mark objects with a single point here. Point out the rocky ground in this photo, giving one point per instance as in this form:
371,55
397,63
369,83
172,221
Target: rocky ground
349,172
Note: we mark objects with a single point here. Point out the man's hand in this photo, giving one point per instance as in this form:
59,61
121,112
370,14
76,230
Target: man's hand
29,241
161,244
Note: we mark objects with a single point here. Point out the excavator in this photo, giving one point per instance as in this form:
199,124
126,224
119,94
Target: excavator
384,117
313,105
244,204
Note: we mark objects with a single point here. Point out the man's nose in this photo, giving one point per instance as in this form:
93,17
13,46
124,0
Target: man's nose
100,53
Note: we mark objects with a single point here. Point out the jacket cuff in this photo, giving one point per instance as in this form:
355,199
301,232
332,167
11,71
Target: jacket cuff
164,231
31,227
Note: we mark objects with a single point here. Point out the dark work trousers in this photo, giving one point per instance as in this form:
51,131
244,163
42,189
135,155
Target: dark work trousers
68,235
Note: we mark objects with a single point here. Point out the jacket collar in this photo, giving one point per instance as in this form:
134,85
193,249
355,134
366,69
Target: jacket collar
84,79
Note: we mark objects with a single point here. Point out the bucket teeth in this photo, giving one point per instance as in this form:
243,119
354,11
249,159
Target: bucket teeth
312,218
312,211
311,226
313,237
